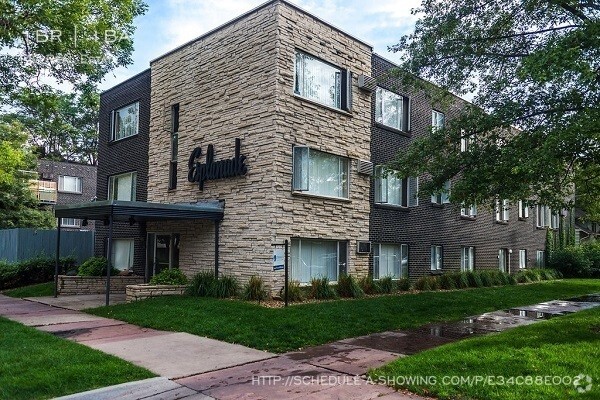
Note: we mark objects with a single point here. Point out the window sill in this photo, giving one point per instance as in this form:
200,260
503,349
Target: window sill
110,142
317,196
392,207
468,218
337,110
68,192
501,222
436,272
394,130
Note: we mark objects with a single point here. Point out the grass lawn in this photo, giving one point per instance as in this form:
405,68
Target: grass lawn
561,347
280,330
38,365
39,290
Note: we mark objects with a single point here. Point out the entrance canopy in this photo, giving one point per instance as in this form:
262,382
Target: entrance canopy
111,211
140,211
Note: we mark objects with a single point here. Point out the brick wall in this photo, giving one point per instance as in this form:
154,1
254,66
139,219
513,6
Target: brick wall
426,225
126,155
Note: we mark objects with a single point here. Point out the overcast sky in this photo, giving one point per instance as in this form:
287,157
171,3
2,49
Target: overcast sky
170,23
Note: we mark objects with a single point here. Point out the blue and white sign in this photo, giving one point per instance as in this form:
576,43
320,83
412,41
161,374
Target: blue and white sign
278,259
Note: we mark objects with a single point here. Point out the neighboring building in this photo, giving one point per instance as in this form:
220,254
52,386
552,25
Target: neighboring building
62,183
585,230
270,115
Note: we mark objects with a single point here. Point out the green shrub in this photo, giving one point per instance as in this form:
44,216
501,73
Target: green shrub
486,278
95,266
172,276
461,280
295,292
321,289
403,284
224,287
533,275
255,289
202,284
348,287
447,282
32,271
576,261
521,277
474,279
511,279
386,284
368,285
427,283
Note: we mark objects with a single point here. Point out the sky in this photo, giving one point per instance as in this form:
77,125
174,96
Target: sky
171,23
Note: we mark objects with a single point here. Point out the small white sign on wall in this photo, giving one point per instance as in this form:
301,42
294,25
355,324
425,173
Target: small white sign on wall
278,259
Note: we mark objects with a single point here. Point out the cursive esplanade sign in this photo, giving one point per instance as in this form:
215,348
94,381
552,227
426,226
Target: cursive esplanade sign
211,170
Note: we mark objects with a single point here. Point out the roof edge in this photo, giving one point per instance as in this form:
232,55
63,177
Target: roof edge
147,70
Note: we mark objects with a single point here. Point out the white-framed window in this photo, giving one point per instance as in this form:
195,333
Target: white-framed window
315,258
543,216
438,120
322,82
122,254
554,219
70,222
437,258
122,187
470,211
69,184
125,121
442,197
389,189
466,140
390,260
502,210
392,110
540,259
467,258
502,259
522,258
319,173
523,209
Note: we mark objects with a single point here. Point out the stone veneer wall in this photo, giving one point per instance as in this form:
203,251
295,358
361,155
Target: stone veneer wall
238,83
69,285
141,292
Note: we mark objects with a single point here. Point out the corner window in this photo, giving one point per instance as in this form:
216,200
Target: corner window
437,260
318,259
389,189
502,210
438,120
70,222
319,173
390,260
122,187
469,211
467,258
69,184
522,258
122,254
541,259
442,197
174,146
523,209
125,121
322,82
392,110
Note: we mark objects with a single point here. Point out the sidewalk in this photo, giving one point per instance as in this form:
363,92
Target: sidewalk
192,367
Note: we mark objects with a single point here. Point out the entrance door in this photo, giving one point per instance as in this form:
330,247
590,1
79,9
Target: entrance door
162,253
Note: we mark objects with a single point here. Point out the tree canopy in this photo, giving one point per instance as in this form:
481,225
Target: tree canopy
533,69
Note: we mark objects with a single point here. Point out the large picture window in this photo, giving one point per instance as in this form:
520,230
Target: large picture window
318,259
319,173
122,254
125,121
392,110
322,82
122,187
390,260
544,216
69,184
502,210
389,189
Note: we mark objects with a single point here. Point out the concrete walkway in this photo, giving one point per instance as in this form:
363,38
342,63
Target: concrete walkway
202,368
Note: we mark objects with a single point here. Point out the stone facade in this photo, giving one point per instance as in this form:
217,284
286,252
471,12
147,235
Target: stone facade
237,82
141,292
71,285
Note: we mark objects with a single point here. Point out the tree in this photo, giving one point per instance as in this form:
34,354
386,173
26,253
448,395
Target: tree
18,208
62,126
75,41
533,68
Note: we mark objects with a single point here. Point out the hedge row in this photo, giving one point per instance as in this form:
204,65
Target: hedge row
29,272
